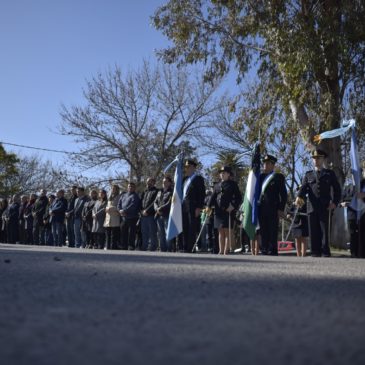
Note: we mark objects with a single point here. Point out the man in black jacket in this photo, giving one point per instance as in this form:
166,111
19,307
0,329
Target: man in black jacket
87,219
38,211
271,205
70,217
13,220
192,205
148,223
82,198
318,185
162,207
57,213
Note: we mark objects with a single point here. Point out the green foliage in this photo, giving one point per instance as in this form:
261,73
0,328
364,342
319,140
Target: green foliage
8,170
309,56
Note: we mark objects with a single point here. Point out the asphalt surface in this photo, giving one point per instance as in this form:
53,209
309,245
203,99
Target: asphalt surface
69,306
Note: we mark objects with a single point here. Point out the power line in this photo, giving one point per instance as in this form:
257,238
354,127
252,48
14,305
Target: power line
41,149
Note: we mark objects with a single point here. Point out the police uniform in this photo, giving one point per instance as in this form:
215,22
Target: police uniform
225,193
273,198
318,186
193,198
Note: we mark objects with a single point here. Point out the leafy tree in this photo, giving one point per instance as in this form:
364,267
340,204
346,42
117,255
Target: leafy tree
139,119
311,53
8,170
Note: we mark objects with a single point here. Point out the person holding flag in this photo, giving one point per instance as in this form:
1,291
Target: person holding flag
318,185
175,225
249,206
192,204
271,205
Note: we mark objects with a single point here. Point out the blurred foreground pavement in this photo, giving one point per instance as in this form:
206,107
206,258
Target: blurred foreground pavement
70,306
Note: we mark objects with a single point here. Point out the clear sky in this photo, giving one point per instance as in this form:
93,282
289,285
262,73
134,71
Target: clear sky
49,48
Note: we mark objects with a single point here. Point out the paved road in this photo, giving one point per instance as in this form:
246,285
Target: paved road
64,306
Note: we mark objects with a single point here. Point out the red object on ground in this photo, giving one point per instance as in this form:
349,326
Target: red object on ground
286,246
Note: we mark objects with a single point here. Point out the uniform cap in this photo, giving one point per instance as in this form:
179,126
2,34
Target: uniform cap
190,162
318,153
226,169
270,158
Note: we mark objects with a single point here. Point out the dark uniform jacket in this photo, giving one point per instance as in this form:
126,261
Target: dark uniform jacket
226,193
275,195
163,202
318,187
148,198
195,194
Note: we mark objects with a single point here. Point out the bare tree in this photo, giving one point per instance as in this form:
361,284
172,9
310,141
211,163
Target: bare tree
140,119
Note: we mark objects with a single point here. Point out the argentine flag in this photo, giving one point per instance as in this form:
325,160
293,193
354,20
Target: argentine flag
356,204
252,194
174,227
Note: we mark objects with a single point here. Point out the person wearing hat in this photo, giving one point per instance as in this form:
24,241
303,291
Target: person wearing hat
271,205
226,199
192,204
318,185
299,228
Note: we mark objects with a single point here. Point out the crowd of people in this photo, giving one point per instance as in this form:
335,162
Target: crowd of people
128,220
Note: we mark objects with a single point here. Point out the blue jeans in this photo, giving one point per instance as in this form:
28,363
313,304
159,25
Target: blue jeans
57,232
162,230
149,232
48,236
79,242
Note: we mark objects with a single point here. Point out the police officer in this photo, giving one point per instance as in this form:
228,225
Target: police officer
226,199
271,205
318,185
192,205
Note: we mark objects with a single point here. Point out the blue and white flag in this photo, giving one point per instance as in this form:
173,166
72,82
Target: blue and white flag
356,204
346,126
174,226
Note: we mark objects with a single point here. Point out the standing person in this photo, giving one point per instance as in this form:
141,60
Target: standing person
112,220
148,223
13,220
57,213
87,219
23,205
48,237
28,218
299,229
70,217
98,214
82,198
317,185
38,210
226,199
356,223
162,206
4,206
271,205
209,233
129,206
192,205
